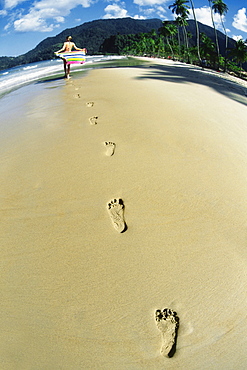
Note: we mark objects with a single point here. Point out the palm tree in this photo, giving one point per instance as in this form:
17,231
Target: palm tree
151,37
179,24
168,30
182,22
160,46
239,53
185,23
215,32
208,49
143,44
221,8
180,8
197,31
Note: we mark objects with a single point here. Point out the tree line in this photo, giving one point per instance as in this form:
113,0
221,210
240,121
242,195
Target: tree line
173,40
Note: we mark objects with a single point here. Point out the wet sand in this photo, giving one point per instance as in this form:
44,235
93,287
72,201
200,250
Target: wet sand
123,193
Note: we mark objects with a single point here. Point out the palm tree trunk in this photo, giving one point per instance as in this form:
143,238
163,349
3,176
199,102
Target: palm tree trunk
197,32
168,43
186,43
226,44
215,32
179,42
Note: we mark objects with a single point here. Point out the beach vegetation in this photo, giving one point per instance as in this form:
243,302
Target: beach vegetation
208,51
166,43
197,31
221,8
239,54
181,9
215,31
169,30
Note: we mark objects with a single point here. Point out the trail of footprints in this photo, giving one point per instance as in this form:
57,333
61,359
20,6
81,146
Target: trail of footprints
115,207
167,320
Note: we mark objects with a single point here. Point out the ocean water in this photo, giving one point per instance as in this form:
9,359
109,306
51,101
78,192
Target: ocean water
16,77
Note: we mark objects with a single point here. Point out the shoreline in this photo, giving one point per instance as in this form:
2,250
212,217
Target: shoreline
226,75
51,71
80,293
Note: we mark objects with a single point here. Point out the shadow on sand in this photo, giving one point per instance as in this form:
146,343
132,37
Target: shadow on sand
185,74
51,79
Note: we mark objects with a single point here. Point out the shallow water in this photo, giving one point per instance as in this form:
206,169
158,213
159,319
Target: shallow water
16,77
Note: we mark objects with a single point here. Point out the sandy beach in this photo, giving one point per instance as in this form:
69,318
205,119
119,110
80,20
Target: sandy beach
124,192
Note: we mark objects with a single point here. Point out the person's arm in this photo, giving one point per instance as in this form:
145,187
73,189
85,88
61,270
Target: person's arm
59,51
76,48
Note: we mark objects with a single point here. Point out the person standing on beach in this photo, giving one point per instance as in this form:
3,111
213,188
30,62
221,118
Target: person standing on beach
67,47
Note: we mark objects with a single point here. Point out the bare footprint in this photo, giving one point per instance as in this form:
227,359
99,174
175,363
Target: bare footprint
110,148
77,96
168,323
90,104
93,120
116,211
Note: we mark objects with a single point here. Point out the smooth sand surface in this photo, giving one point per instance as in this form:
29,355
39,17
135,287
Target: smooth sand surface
78,293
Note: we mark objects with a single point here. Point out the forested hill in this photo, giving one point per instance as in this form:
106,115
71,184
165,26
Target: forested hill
90,35
93,35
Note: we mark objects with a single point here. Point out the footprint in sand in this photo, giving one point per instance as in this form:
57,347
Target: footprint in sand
90,104
110,148
116,211
77,96
93,120
167,322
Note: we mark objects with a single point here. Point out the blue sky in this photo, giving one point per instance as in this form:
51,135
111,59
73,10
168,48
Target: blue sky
24,23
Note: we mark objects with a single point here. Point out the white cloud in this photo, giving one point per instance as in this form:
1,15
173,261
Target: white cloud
115,11
148,11
240,20
7,26
44,15
59,19
237,37
149,2
3,12
118,11
149,7
138,17
9,4
61,4
160,11
203,15
32,23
